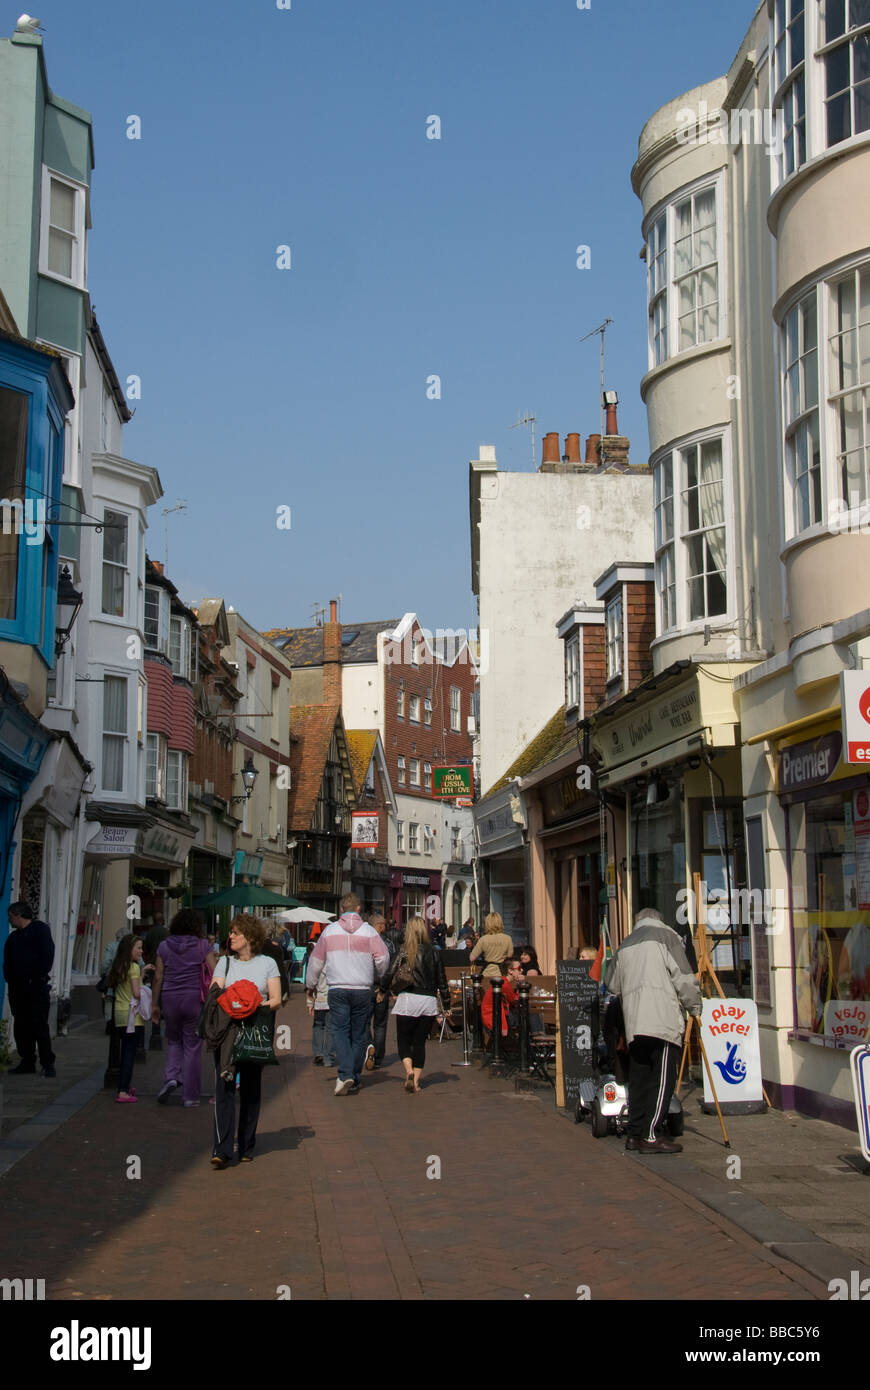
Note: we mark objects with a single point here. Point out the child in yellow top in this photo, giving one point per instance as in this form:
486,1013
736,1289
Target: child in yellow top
125,979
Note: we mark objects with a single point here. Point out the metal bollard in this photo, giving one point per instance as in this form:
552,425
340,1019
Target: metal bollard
523,991
477,1022
466,1062
497,1058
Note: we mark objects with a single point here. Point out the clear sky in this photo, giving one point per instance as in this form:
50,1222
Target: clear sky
307,387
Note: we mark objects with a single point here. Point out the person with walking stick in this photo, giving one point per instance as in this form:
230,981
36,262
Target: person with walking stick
653,978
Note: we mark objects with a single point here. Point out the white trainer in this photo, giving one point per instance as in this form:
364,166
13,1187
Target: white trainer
342,1087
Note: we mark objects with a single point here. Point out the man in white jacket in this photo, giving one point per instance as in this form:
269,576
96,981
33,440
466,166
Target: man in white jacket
354,958
654,981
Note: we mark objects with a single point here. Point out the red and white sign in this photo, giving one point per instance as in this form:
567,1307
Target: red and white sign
855,703
847,1019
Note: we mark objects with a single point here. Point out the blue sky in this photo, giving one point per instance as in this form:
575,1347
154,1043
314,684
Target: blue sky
307,388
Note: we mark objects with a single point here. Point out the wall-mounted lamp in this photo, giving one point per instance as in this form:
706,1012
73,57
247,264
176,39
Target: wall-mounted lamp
249,777
69,601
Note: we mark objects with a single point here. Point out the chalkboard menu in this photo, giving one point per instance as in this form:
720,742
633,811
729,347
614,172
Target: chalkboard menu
578,1020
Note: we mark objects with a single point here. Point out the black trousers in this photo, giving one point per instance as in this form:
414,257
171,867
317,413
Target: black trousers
652,1075
411,1035
250,1086
30,1004
380,1014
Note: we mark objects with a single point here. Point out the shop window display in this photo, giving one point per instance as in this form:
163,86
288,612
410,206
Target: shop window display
831,915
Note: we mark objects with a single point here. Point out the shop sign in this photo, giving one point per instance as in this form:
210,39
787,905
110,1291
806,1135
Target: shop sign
452,781
729,1028
465,801
561,796
248,865
810,764
659,722
115,841
416,880
848,1020
364,830
860,1066
160,843
855,711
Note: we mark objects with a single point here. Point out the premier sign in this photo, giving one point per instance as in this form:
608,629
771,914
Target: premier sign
855,703
804,765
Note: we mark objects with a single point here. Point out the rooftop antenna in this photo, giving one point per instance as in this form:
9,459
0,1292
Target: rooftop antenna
180,506
526,419
602,329
318,613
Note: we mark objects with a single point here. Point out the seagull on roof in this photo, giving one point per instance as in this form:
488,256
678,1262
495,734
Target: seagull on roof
28,25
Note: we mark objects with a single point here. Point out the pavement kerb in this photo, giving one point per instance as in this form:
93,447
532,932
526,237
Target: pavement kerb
770,1228
25,1137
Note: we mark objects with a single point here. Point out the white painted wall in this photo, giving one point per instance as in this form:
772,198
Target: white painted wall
535,563
361,701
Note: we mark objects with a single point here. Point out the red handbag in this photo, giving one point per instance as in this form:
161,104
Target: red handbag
241,999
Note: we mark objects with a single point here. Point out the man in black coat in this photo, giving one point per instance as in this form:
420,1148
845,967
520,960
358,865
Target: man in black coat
27,961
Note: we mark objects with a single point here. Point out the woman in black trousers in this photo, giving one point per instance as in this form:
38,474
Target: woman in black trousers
416,979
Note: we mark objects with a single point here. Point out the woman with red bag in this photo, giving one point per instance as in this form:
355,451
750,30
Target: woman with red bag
185,964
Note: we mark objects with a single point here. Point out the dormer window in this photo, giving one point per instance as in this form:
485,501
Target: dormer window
572,672
613,637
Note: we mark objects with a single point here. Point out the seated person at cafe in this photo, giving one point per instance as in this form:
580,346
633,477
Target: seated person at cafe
509,974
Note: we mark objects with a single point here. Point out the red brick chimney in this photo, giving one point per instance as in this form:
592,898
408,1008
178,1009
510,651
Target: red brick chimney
332,657
572,447
551,448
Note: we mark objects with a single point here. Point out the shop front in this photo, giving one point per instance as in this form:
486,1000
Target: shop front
210,863
104,905
23,744
412,893
671,774
159,881
500,830
370,880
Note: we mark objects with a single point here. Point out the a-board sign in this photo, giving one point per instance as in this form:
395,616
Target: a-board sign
859,1062
454,957
577,1018
730,1031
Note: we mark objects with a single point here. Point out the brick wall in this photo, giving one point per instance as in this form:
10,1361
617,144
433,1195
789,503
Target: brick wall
437,743
640,620
594,666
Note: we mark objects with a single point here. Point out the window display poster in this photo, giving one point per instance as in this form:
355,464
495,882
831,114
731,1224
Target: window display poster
729,1028
860,829
848,1020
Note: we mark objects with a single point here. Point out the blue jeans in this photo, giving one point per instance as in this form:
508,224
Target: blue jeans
321,1036
349,1011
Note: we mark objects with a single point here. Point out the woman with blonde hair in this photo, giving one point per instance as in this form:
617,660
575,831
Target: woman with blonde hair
493,948
416,978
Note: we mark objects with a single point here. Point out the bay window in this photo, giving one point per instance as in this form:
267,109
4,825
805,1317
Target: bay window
62,229
846,59
179,648
155,767
691,538
789,81
114,562
156,618
114,732
803,458
683,275
572,672
613,636
849,393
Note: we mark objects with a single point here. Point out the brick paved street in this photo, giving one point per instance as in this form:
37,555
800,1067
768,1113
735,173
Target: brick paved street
338,1204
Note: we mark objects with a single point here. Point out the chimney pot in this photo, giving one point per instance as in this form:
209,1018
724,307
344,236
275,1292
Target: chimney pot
572,448
611,426
333,610
592,444
551,447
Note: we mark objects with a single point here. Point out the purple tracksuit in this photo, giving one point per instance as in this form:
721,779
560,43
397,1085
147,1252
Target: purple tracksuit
182,958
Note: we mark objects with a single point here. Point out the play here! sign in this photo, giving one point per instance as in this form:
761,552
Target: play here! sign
855,701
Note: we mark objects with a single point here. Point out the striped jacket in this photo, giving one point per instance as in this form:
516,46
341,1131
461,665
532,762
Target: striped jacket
352,954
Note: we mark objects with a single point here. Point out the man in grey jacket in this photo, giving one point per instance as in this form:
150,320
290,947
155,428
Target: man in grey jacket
654,981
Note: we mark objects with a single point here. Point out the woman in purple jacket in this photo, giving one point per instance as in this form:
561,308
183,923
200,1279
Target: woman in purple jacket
177,997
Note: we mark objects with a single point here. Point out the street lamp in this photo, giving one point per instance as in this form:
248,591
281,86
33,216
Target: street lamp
69,601
249,777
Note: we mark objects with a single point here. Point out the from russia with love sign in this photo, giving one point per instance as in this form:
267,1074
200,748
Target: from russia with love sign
452,781
729,1028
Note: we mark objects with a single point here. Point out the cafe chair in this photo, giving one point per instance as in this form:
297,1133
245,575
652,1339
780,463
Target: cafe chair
542,1055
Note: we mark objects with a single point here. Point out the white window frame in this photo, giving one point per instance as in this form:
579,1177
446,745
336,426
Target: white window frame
456,844
122,735
427,777
163,618
793,424
181,665
572,672
413,837
414,709
825,50
400,837
677,543
180,759
400,765
123,616
836,395
614,637
665,332
157,756
427,709
77,236
428,839
455,710
400,701
413,772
